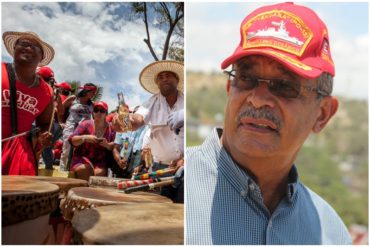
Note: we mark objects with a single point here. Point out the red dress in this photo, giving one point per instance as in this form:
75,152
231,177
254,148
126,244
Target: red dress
17,155
90,153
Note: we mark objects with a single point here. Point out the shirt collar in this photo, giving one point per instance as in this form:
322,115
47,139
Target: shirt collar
238,177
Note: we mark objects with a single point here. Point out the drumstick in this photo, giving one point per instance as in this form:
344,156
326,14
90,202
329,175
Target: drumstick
33,131
127,184
150,186
157,173
52,119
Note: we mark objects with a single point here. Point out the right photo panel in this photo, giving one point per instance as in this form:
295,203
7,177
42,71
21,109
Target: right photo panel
276,123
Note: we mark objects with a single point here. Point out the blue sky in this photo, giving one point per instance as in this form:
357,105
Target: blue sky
94,42
212,34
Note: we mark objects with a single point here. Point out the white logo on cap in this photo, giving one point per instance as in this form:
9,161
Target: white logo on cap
271,32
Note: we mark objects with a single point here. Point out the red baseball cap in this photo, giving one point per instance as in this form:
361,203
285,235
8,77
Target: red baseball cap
101,104
64,85
292,34
89,88
45,72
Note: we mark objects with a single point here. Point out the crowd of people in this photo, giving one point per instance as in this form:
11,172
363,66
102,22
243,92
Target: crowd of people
73,131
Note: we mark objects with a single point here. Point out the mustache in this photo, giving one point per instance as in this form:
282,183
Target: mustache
260,113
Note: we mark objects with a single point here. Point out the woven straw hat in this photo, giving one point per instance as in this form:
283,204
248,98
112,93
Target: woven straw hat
149,74
10,38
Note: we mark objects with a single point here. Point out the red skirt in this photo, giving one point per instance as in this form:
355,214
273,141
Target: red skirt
18,158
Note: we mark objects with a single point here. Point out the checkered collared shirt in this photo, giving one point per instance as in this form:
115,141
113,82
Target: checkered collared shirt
225,206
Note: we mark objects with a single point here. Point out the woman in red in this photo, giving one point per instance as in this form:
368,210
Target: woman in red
92,139
33,97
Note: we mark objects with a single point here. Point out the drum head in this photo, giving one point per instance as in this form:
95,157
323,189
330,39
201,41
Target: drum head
149,223
81,198
25,199
102,195
64,184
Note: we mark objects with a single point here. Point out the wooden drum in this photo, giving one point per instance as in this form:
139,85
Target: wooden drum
26,206
56,219
143,224
82,198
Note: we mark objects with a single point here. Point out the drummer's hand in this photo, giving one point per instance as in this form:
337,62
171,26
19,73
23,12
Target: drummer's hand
177,163
122,163
176,120
137,170
45,139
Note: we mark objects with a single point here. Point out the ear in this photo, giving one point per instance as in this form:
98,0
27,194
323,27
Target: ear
328,107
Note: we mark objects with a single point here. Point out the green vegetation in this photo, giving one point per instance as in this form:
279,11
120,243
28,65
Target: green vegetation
333,163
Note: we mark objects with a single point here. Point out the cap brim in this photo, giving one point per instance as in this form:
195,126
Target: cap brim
290,62
150,72
10,38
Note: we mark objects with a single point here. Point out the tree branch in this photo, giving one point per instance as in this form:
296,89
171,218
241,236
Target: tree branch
147,41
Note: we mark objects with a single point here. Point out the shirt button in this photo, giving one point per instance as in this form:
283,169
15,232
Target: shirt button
252,187
243,193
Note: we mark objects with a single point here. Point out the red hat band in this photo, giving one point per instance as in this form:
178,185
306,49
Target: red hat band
89,88
292,34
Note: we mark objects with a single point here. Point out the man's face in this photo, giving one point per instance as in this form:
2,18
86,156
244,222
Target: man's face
167,82
259,123
28,51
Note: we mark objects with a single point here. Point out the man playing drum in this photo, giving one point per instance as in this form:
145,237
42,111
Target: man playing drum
32,101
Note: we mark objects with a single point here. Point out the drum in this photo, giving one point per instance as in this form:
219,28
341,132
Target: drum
104,182
26,206
143,224
64,184
82,198
56,219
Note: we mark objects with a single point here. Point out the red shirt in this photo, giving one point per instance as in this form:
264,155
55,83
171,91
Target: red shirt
31,103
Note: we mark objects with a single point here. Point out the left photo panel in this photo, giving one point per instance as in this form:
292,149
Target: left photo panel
92,125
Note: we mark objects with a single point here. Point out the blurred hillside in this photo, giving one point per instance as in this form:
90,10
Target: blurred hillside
333,163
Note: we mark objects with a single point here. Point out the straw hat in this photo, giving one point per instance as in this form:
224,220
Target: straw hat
149,74
10,38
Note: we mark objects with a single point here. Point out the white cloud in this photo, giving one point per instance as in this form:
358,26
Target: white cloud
86,45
